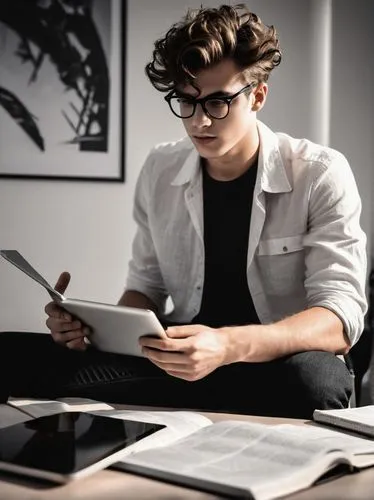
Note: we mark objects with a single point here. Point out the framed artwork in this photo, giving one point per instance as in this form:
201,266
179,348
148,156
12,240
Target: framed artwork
62,80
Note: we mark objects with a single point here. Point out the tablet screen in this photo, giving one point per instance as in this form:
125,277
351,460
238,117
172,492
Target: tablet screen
68,442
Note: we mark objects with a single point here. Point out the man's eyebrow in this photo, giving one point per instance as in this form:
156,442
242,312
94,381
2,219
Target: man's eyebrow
218,93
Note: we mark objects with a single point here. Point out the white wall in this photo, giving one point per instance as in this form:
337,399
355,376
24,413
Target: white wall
87,228
352,98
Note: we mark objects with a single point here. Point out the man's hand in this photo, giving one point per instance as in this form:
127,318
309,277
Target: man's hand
65,329
191,352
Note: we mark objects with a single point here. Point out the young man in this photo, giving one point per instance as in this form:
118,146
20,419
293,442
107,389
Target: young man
255,237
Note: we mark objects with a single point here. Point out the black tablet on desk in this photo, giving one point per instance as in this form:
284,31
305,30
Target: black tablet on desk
68,446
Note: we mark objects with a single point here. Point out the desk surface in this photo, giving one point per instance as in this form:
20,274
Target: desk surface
113,485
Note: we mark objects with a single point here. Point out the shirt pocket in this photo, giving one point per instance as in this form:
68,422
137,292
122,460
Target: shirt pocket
282,265
281,246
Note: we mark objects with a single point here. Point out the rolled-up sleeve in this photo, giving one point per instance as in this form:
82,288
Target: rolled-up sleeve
144,273
335,247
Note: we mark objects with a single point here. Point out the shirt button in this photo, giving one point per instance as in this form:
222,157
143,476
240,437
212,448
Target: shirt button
198,288
285,249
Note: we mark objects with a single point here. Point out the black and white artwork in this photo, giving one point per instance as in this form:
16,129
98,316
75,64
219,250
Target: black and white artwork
62,89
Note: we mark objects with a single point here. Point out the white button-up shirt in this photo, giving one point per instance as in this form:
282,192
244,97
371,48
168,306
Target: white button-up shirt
306,247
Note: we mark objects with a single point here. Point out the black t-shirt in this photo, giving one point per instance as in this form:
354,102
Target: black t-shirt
227,213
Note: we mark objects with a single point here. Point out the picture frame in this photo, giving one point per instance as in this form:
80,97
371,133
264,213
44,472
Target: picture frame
62,78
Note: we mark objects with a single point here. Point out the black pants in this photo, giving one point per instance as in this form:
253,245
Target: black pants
32,365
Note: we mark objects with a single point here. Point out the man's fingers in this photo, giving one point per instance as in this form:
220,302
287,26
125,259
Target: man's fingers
65,329
184,331
166,357
55,311
77,344
165,344
67,336
62,326
62,282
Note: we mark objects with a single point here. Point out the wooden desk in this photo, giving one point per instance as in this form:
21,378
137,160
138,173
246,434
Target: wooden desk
113,485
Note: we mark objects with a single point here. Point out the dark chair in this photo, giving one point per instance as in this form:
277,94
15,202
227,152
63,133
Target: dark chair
359,357
358,362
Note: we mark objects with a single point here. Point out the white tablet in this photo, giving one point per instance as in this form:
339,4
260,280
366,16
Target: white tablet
115,328
68,446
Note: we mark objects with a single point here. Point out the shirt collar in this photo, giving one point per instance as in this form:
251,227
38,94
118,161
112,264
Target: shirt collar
189,170
270,164
271,167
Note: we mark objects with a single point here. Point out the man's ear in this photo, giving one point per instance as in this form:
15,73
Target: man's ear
259,96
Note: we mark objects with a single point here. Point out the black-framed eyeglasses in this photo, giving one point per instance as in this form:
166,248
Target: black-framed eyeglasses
214,107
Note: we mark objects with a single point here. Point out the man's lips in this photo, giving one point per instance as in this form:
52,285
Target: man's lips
204,139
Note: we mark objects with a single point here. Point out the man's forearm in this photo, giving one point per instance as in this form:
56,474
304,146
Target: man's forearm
316,329
132,298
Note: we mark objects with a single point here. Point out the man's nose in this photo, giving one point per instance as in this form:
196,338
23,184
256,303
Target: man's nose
200,118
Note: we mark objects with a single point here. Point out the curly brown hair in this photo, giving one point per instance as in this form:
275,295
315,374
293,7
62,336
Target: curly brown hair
206,36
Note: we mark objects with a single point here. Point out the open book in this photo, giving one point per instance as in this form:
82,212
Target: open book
241,459
360,419
237,459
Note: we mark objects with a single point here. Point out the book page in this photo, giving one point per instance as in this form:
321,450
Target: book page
10,416
268,461
178,425
360,419
360,448
42,407
15,258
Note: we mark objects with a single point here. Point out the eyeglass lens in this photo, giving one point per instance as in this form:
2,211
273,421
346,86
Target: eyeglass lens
184,108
